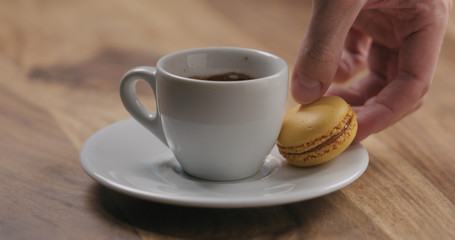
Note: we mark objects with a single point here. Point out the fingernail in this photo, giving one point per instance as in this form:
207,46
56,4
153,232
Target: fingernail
306,91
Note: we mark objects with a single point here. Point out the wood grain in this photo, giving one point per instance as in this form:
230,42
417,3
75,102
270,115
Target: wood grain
60,67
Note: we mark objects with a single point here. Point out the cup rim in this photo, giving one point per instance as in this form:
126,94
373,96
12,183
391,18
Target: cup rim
159,65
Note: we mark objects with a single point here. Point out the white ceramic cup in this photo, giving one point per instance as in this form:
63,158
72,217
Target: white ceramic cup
217,130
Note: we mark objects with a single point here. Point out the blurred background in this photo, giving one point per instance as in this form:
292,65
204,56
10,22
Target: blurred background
58,47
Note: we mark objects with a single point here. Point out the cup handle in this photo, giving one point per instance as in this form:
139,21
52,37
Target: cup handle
150,120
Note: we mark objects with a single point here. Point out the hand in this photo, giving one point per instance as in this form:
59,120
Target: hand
399,41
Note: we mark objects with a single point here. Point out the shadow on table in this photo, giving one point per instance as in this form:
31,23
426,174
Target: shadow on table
207,223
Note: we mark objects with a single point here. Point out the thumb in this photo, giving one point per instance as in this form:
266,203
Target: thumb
320,51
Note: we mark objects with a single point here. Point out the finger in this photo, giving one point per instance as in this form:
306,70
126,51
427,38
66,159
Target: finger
380,102
369,123
367,116
354,55
407,77
383,61
390,92
404,93
410,110
383,64
320,52
359,92
417,60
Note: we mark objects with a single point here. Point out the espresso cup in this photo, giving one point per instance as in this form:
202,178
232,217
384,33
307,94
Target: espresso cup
217,130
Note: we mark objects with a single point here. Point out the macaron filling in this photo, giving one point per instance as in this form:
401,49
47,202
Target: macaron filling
332,139
326,142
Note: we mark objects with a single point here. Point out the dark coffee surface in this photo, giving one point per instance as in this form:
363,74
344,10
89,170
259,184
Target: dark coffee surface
230,76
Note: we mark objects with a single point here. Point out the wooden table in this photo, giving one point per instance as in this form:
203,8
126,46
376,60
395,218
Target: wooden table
60,66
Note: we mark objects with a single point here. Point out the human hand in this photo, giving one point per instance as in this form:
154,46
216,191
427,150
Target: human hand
399,42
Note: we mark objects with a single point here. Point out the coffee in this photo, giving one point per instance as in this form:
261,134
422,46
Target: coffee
230,76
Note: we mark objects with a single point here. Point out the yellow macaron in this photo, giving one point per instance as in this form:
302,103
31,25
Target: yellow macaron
318,132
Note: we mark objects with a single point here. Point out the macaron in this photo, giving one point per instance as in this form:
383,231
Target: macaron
318,132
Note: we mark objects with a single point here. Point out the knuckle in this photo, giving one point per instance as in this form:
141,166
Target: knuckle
419,86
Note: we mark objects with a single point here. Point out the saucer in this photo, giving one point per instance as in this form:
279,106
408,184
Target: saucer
127,158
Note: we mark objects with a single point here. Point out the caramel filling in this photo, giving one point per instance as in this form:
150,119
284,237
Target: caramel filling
326,142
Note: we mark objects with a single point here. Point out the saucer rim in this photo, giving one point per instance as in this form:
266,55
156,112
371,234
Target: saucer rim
193,201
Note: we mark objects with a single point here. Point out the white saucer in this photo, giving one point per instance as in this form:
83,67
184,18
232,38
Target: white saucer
127,158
